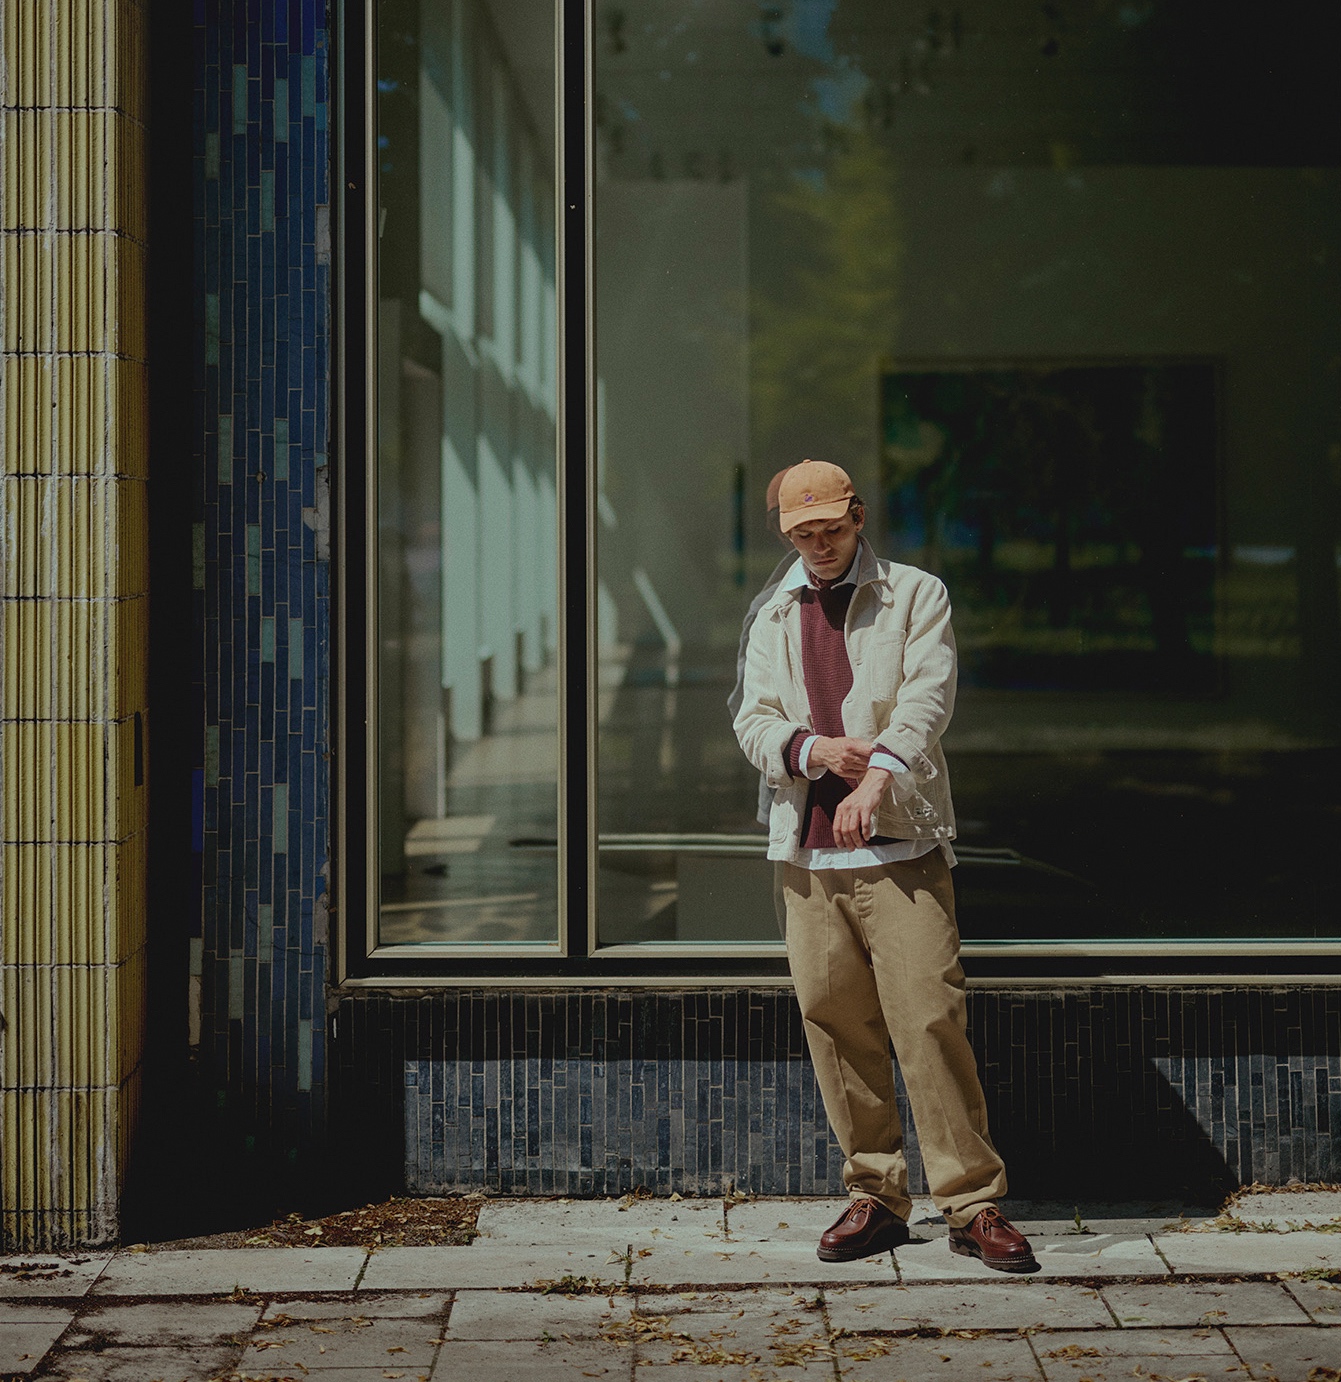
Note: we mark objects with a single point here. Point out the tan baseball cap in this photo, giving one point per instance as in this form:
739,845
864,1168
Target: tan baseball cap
812,492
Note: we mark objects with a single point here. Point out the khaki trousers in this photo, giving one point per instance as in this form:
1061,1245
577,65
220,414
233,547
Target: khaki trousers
874,954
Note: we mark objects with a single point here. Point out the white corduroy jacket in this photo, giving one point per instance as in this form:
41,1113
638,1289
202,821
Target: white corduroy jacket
903,690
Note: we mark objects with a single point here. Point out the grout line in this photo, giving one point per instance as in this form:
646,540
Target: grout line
1159,1252
1229,1343
1099,1291
1038,1361
822,1300
1287,1287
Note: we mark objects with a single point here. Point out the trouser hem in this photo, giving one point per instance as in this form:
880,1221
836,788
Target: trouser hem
900,1206
962,1218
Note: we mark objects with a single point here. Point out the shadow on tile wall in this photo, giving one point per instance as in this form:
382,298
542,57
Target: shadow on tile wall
1102,1093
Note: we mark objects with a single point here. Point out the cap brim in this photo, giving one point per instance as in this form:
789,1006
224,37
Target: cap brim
812,513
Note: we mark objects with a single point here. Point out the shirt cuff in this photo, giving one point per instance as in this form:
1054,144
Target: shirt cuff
803,761
881,759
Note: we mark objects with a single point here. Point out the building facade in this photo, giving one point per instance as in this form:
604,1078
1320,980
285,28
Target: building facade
391,388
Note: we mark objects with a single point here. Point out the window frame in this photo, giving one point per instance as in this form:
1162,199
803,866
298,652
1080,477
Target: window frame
575,959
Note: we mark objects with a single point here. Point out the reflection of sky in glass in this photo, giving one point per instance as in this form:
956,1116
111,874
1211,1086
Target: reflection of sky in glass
837,95
807,29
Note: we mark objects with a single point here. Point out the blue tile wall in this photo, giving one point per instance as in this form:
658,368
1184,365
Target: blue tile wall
1100,1093
262,295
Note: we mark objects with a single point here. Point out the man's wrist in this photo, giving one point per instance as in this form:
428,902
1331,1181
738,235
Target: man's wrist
882,758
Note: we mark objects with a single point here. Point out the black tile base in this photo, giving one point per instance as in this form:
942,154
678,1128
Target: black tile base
1095,1092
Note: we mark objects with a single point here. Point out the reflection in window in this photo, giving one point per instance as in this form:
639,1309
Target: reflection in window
466,542
1055,290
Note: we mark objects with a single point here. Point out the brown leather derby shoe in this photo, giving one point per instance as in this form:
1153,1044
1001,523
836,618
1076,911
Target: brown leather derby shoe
865,1227
995,1242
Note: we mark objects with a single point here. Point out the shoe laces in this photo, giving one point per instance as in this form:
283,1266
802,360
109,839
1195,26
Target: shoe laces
860,1208
989,1221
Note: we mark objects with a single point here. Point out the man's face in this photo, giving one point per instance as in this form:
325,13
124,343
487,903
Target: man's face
827,547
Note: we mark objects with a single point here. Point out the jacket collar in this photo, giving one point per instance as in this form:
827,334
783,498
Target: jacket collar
795,580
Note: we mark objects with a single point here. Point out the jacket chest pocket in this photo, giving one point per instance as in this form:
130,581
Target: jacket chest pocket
881,662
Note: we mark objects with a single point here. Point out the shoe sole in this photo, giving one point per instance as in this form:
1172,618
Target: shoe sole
1008,1264
887,1244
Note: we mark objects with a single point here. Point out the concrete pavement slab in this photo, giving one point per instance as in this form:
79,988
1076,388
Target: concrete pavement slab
613,1223
34,1312
767,1330
806,1299
1086,1363
1193,1303
735,1372
1001,1358
157,1323
1289,1353
1140,1343
365,1305
1281,1208
333,1374
782,1221
740,1264
184,1363
402,1345
219,1271
23,1344
1003,1304
486,1360
1088,1256
1249,1253
1322,1299
530,1315
1098,1254
690,1222
43,1275
1054,1218
1106,1356
930,1259
488,1265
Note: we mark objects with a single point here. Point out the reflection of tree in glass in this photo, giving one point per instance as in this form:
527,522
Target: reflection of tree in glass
1062,504
819,334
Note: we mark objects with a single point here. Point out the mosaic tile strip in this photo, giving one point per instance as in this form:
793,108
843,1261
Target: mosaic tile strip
262,299
1097,1092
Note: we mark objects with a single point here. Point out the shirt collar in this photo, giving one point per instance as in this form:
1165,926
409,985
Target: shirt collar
798,576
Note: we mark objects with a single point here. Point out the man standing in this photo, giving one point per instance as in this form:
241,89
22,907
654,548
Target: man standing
849,684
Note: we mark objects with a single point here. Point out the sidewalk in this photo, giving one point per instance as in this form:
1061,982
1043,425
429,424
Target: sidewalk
706,1291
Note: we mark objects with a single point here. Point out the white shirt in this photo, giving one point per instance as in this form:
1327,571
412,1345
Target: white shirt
868,856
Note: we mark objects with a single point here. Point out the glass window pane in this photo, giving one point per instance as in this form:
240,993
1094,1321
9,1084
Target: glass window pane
467,523
1058,292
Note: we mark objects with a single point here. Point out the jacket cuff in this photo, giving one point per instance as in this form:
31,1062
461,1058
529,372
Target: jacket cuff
921,767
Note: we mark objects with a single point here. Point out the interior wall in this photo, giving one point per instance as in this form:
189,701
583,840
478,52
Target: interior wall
672,340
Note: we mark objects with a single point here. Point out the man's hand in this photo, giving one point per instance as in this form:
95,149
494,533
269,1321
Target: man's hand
854,821
846,757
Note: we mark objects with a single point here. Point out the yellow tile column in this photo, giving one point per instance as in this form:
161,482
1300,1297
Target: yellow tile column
73,605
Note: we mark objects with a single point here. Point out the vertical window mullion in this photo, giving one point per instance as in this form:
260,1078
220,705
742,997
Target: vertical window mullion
576,364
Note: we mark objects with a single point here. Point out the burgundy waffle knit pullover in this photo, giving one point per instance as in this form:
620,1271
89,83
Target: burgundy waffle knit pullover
828,678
